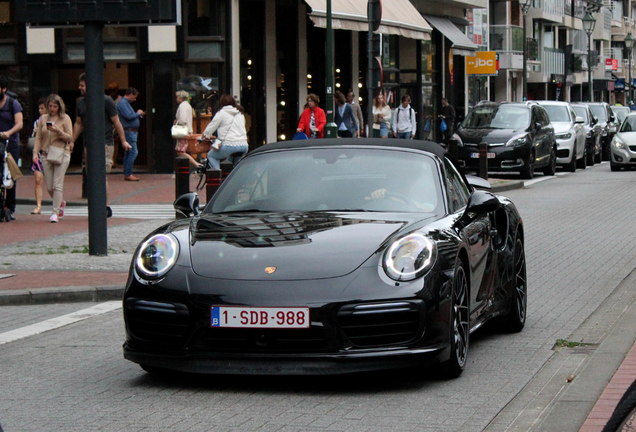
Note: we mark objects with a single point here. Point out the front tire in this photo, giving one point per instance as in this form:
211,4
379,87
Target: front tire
550,170
460,325
582,163
527,172
515,319
571,166
590,156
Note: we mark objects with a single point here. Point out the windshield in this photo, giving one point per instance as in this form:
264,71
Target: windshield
497,117
581,112
338,179
558,113
629,124
620,113
599,112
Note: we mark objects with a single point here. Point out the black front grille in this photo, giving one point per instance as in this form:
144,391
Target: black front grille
632,148
161,323
563,153
381,324
313,339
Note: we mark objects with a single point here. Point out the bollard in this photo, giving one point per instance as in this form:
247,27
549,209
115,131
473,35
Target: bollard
181,178
84,188
213,178
483,160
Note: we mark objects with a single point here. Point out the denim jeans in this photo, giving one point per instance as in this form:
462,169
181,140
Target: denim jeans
130,155
216,156
404,135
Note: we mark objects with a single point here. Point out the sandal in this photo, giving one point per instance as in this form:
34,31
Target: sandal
37,210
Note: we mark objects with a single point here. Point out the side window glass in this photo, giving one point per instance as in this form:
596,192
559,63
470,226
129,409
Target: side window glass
457,190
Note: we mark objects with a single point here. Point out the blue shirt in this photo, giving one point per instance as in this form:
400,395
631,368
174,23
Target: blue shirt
7,118
127,115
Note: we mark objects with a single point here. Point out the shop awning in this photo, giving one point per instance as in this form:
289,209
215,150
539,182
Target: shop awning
460,43
399,17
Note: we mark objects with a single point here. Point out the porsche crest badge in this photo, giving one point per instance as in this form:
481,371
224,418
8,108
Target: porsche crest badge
270,269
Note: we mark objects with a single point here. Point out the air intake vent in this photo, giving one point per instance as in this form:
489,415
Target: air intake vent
381,324
158,322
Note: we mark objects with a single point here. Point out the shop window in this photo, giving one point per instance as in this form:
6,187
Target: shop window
201,81
7,28
205,17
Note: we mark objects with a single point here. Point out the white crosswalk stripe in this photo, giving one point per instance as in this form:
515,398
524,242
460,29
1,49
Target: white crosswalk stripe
132,211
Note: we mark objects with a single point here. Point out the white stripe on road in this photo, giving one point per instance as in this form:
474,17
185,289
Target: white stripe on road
543,178
61,321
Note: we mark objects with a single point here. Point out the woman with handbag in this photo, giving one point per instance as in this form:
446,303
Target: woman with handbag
231,136
54,138
182,126
38,170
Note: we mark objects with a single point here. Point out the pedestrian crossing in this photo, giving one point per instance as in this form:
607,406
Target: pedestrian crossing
131,211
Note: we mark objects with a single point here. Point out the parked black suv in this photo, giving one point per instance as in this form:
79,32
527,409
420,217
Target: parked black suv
607,120
519,137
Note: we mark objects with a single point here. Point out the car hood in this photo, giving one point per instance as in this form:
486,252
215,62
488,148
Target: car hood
490,136
628,138
289,246
562,127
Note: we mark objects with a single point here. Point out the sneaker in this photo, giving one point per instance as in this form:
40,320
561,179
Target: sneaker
109,212
53,218
60,213
11,215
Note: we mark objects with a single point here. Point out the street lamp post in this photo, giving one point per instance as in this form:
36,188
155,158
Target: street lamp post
330,128
525,6
629,44
588,24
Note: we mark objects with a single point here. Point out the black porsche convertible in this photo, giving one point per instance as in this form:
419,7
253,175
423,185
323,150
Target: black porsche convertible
328,257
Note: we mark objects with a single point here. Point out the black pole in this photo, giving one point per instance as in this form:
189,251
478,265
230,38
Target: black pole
94,139
181,179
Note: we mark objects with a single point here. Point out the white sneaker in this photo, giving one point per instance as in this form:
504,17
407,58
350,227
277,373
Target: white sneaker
53,218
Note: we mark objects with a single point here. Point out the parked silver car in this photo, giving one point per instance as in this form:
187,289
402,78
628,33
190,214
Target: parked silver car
569,132
593,132
623,147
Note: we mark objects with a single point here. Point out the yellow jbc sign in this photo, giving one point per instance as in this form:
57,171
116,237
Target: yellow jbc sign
483,63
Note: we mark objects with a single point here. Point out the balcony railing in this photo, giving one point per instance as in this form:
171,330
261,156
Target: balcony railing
506,38
551,61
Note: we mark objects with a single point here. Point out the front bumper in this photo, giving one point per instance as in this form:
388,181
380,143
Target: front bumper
505,158
170,328
565,148
623,157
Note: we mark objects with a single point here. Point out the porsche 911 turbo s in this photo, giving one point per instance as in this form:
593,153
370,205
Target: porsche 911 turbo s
328,257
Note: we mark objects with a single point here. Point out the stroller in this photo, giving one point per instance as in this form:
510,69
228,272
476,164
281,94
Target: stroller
5,183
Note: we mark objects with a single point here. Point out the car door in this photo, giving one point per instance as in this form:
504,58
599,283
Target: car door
477,235
579,134
544,135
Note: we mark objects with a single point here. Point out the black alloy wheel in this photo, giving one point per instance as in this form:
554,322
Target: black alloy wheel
582,163
460,325
550,170
527,171
515,319
590,155
571,166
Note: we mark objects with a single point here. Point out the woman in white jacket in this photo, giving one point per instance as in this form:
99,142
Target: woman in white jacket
228,127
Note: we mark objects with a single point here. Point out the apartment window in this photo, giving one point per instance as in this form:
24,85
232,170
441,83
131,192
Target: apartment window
205,17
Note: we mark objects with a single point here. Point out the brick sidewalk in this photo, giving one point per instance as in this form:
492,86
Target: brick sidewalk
604,407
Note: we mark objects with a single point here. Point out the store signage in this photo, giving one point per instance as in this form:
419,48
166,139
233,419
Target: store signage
483,63
611,64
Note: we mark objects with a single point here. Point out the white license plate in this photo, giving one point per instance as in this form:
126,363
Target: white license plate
259,317
488,155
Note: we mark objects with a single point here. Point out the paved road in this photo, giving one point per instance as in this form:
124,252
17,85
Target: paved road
579,245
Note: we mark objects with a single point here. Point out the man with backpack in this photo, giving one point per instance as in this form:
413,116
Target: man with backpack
11,121
404,124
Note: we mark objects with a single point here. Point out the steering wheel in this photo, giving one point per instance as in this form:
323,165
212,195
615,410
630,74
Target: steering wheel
400,197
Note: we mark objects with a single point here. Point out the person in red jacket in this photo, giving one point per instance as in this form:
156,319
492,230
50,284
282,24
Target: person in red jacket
313,119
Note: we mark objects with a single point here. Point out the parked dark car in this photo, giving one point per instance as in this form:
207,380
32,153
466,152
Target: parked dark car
325,257
593,132
606,119
519,138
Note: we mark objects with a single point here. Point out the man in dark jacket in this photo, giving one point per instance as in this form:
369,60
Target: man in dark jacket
344,118
448,115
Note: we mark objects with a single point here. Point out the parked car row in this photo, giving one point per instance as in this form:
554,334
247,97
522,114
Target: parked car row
536,135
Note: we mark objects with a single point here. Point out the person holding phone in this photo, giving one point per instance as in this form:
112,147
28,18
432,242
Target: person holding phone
55,130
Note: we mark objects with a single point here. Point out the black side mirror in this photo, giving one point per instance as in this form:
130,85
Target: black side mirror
479,203
187,204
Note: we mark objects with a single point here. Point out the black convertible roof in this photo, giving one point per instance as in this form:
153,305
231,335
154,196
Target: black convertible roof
427,146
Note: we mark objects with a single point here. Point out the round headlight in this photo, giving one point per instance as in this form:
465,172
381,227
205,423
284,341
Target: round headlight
157,255
409,257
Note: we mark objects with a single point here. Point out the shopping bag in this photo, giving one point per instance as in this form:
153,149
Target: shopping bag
443,126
